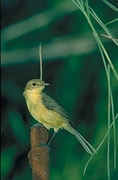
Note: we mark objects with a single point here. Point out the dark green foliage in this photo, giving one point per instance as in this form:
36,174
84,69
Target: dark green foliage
73,66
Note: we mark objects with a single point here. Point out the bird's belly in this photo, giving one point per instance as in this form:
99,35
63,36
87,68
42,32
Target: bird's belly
49,118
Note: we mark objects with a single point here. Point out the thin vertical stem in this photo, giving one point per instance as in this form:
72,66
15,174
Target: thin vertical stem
40,55
114,129
109,111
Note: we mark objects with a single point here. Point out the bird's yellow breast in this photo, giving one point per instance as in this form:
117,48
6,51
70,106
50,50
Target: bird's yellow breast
49,118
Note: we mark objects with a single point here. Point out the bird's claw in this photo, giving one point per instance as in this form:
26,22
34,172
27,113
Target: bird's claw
44,145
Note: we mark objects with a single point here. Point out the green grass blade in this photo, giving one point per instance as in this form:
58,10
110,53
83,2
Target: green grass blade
114,20
109,112
114,129
116,118
87,9
110,5
106,54
95,33
79,5
102,24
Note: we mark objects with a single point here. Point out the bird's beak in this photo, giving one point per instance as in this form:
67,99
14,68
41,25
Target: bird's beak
46,84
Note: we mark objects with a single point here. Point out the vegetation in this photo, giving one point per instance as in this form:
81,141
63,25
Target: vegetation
80,61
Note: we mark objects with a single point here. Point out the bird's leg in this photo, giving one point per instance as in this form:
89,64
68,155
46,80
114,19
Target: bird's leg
44,145
51,138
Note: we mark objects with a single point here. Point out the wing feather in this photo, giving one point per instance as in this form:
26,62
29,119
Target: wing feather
51,104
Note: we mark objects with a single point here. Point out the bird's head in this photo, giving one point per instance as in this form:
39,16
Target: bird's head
35,85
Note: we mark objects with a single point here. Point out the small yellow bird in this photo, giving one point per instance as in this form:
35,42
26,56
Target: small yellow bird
46,111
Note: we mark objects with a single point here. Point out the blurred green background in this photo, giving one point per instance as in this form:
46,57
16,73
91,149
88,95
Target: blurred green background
73,66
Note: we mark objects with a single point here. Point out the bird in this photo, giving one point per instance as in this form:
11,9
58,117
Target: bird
49,113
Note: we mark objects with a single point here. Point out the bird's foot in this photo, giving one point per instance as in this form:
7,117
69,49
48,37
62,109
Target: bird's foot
44,145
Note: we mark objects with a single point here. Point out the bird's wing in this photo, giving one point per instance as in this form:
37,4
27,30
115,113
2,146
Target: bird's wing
51,104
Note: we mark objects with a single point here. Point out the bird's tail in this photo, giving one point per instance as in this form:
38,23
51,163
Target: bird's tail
83,141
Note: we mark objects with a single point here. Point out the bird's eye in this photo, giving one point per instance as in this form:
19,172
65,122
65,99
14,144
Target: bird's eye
33,84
